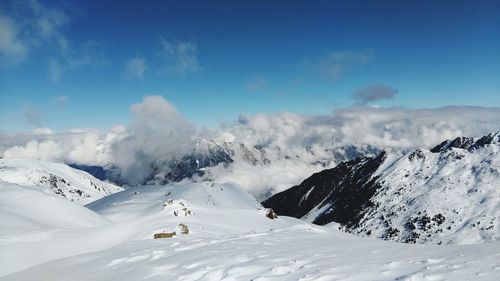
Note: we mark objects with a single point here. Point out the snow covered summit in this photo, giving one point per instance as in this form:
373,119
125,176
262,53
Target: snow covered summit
450,194
56,179
468,143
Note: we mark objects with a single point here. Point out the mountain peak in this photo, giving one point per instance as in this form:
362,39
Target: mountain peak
440,196
56,179
467,142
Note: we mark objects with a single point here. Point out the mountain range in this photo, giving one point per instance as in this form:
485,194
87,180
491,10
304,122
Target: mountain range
208,159
57,222
448,194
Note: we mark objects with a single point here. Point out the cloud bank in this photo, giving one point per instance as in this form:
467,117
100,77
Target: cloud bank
299,145
395,127
293,145
85,146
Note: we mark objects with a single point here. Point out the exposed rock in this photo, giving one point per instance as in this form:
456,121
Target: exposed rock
340,194
183,228
467,143
164,235
177,207
271,214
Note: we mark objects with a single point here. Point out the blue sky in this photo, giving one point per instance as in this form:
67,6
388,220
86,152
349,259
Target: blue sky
81,64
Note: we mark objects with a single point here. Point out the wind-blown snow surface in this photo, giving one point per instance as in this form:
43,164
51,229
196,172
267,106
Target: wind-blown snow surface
133,214
230,238
55,178
30,215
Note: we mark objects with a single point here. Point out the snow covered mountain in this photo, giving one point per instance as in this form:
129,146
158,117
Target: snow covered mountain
204,154
218,231
236,162
450,194
56,179
230,161
468,143
208,153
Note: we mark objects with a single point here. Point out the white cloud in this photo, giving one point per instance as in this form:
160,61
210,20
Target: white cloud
31,27
55,70
337,63
135,68
296,145
157,132
61,101
43,26
50,23
256,83
299,145
181,57
42,131
77,146
31,114
264,180
396,128
46,150
12,48
72,60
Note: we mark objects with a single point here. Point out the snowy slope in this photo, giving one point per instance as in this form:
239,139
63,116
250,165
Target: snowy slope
55,178
447,197
33,223
27,211
230,238
214,209
450,194
133,214
296,252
